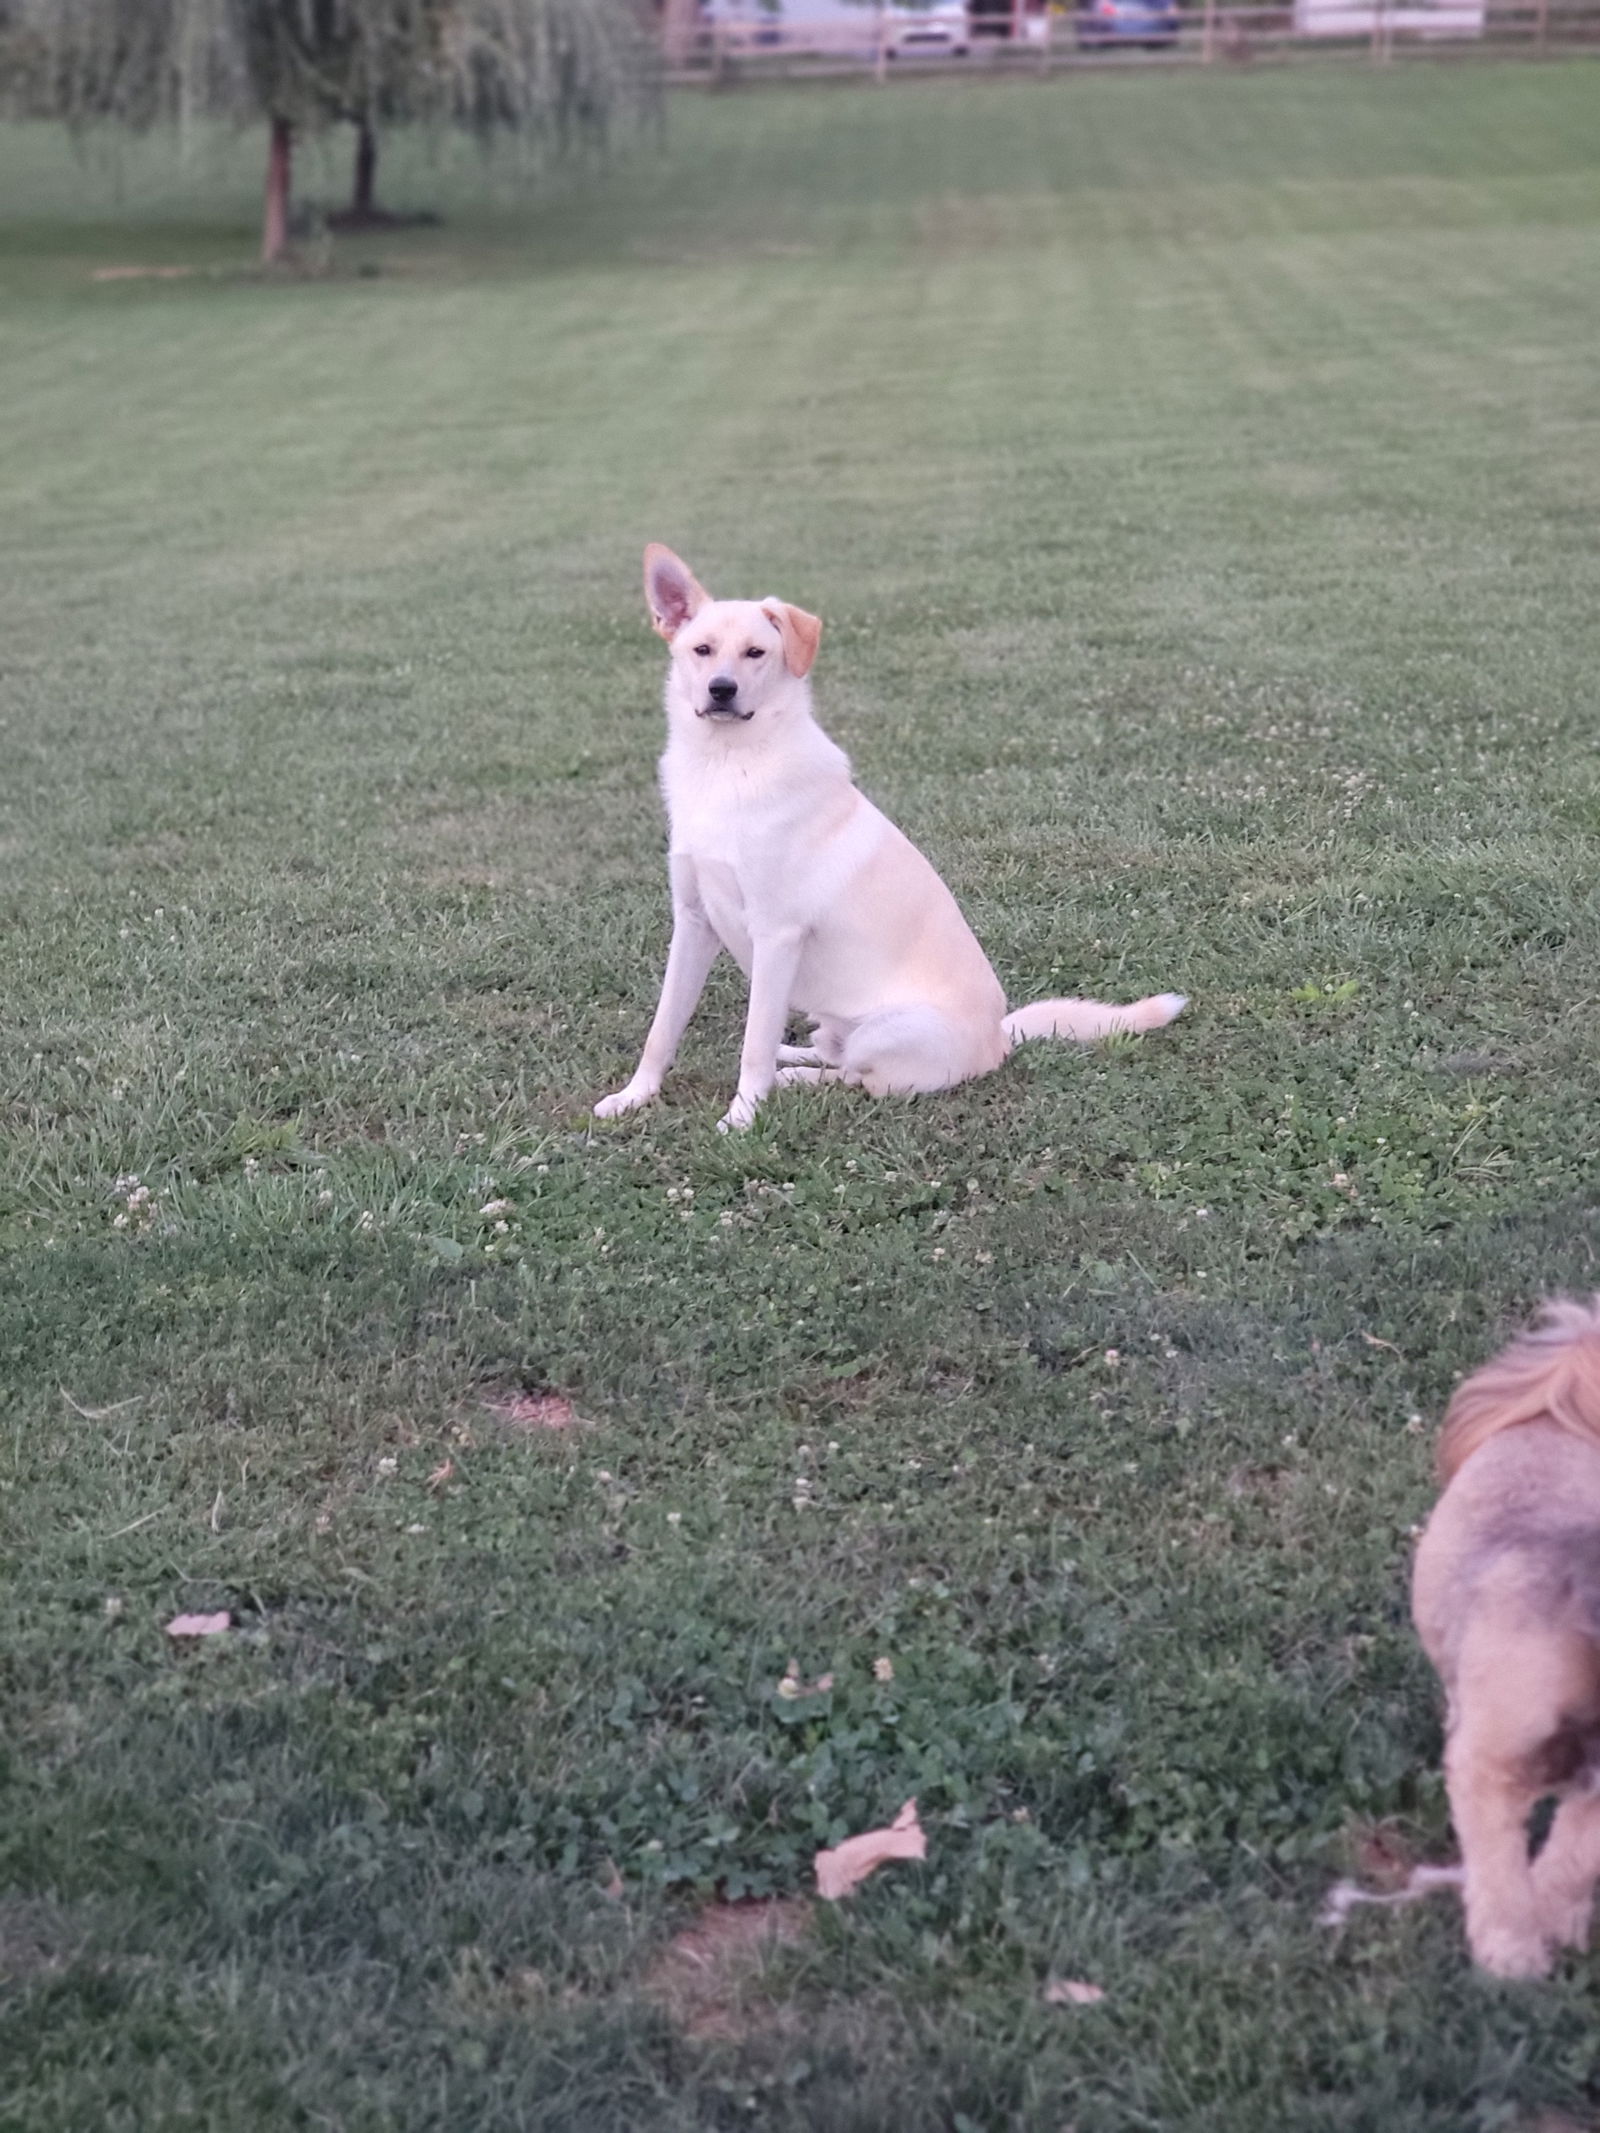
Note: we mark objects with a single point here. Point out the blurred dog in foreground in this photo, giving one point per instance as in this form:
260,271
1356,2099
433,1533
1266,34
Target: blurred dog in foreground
1506,1599
819,899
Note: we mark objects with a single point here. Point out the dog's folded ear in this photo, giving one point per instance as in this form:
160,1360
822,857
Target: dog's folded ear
672,591
801,634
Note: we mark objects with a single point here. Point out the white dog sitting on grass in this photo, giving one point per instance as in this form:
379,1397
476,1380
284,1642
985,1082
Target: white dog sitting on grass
820,900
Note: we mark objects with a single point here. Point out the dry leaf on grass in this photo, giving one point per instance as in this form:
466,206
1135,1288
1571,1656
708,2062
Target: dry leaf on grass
1072,1992
532,1410
1421,1882
441,1474
199,1625
848,1864
700,1976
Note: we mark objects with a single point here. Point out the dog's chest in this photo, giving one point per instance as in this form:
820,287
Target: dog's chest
728,872
722,898
764,844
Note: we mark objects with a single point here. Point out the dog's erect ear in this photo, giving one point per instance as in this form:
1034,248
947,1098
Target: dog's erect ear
672,591
801,634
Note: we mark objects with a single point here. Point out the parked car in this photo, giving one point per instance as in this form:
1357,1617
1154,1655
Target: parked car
916,36
1109,22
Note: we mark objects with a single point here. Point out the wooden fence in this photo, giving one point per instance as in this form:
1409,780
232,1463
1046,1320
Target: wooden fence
890,43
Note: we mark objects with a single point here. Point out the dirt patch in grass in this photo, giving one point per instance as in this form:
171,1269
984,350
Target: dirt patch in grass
142,273
531,1412
1382,1854
703,1977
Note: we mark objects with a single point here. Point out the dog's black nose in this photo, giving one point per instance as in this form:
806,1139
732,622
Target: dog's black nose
723,692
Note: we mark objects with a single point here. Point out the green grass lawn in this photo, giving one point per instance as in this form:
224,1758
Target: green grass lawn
1199,477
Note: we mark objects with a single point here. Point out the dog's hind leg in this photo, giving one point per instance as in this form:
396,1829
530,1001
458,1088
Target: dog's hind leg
792,1077
1565,1872
1516,1738
914,1050
1490,1809
1510,1688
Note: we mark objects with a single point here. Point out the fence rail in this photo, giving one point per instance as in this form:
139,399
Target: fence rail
889,42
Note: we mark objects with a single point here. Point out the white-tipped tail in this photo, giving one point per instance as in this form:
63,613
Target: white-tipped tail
1087,1019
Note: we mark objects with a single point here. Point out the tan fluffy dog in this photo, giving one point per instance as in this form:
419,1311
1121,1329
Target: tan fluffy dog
1506,1598
823,904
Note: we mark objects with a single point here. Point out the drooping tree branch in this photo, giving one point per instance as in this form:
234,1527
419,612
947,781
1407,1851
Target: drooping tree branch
554,73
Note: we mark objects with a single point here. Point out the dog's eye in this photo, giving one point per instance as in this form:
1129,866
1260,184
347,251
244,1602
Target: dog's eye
756,651
702,651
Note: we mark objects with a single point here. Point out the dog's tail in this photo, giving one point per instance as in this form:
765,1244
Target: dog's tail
1549,1373
1085,1020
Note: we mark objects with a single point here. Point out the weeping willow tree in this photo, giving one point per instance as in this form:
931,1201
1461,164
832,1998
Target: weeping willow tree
551,72
556,74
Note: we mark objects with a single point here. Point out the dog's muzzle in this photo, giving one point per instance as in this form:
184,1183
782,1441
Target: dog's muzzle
724,702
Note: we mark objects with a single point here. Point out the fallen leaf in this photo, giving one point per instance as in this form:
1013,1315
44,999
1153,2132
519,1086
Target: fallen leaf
441,1474
848,1864
1373,1341
199,1625
1072,1992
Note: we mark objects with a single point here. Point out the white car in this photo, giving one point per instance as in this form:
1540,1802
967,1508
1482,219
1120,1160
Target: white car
915,35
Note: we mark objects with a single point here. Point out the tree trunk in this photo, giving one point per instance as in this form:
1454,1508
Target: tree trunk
275,221
363,208
680,31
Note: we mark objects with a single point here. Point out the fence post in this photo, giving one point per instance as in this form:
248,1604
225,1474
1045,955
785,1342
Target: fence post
717,52
1208,33
1047,23
1542,25
881,68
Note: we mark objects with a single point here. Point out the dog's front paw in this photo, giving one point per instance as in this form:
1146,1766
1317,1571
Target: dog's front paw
739,1117
628,1099
1509,1952
1567,1919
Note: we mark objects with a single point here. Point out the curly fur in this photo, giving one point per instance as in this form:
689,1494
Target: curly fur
1506,1597
1552,1371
